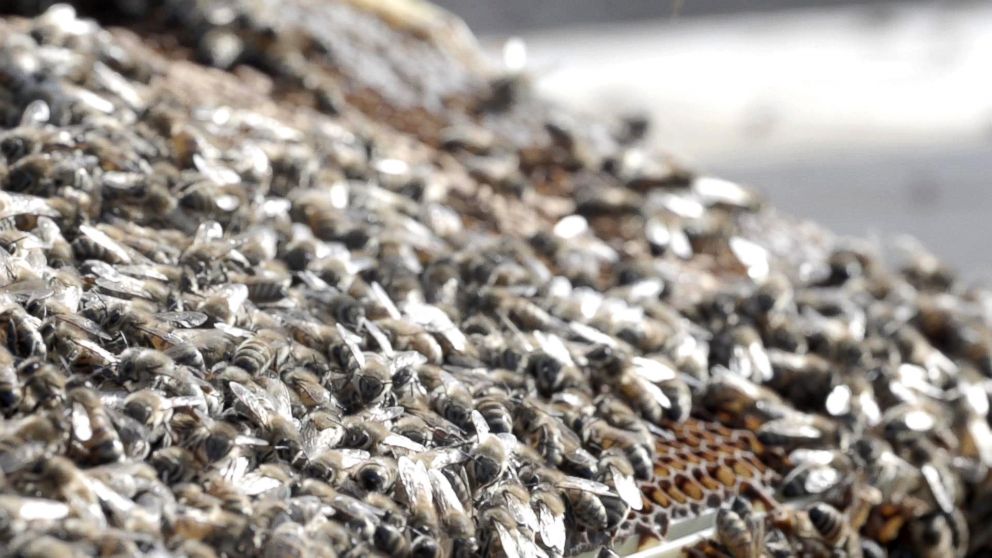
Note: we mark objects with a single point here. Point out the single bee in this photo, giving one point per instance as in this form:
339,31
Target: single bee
391,541
22,333
494,410
550,374
144,366
551,510
377,475
829,523
307,389
408,336
616,471
44,384
93,428
256,353
11,392
739,531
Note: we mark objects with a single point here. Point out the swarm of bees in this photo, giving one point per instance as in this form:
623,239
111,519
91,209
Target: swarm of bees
302,279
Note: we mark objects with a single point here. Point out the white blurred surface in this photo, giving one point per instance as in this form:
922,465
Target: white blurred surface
867,119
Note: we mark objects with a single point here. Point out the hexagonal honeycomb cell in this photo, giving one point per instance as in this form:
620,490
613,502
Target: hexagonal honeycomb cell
698,466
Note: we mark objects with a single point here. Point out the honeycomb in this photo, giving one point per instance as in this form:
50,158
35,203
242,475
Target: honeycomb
699,465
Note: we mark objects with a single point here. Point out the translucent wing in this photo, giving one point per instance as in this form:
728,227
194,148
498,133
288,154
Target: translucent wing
34,509
383,299
254,484
585,485
551,528
507,541
260,408
653,370
938,488
480,424
416,484
554,346
84,324
656,394
105,242
591,334
444,494
183,319
380,337
349,341
627,488
399,441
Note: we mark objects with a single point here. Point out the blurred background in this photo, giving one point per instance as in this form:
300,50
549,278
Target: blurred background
870,118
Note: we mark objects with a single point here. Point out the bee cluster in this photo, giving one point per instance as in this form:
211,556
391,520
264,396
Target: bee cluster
300,278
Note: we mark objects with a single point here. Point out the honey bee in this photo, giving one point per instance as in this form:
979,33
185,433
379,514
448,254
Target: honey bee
408,336
256,354
93,428
495,413
10,384
43,384
22,333
144,366
739,530
829,523
375,475
391,541
616,471
558,444
306,386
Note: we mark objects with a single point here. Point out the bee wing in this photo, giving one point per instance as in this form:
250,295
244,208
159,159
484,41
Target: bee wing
508,542
380,337
938,488
383,414
416,482
34,509
399,441
355,508
403,359
349,341
656,394
552,528
315,441
81,427
444,495
104,355
28,289
254,484
627,489
186,401
353,457
235,469
585,485
441,458
591,334
554,346
84,324
278,395
653,370
435,320
383,299
761,364
243,440
105,242
480,424
21,204
233,331
109,497
523,514
183,319
259,407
